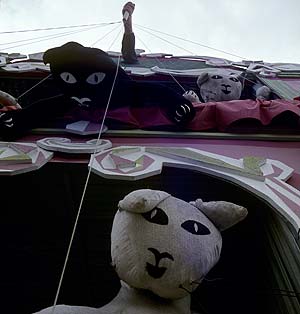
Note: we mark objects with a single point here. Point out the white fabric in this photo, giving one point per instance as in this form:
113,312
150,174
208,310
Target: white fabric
162,247
194,255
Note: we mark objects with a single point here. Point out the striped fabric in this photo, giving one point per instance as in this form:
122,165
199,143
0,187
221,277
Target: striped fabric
282,88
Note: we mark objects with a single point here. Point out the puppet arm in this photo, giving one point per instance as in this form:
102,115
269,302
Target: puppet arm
177,108
128,42
16,122
191,96
263,93
8,102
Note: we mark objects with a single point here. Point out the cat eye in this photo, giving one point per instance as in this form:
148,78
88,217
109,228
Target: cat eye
156,216
217,77
96,78
234,79
68,77
195,227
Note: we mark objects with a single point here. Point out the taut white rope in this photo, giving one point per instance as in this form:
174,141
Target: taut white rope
34,86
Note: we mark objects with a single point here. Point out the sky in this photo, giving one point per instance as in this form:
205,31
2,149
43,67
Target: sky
267,30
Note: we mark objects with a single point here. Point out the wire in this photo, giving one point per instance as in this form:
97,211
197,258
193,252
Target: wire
116,22
193,42
169,42
59,27
98,40
53,37
139,27
175,80
45,36
113,42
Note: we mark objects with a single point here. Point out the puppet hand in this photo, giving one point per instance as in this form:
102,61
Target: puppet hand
6,120
263,93
183,113
8,102
191,96
127,13
128,7
7,124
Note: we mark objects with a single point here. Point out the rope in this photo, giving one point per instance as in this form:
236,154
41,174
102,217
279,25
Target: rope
84,191
34,86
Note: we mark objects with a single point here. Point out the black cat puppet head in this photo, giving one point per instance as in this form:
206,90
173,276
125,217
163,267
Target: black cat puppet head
85,74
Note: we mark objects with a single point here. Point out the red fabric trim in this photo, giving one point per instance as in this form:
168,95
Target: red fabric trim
212,115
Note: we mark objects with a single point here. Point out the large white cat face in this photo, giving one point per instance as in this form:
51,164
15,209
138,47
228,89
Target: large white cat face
166,248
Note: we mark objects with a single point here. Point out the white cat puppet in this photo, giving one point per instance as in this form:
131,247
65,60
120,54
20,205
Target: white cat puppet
162,248
222,85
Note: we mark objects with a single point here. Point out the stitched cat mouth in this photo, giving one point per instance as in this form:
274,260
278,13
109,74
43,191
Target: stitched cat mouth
226,91
156,271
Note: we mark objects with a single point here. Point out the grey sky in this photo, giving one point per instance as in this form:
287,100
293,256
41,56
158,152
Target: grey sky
253,29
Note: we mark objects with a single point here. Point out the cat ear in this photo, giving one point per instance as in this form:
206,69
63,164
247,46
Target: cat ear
142,201
49,55
203,77
223,214
63,51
